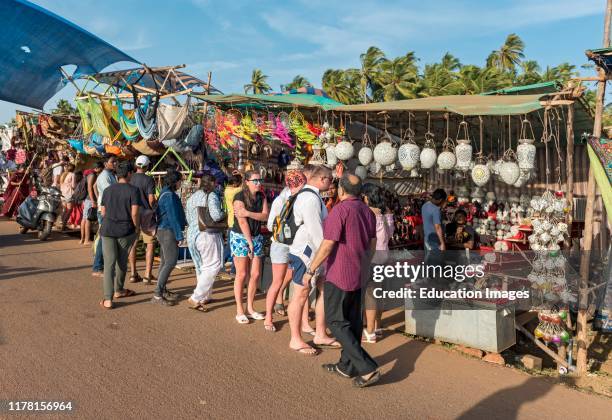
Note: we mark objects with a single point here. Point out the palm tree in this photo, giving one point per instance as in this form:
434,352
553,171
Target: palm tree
258,83
450,62
530,73
63,107
370,63
509,55
399,79
439,80
566,71
474,80
337,86
297,82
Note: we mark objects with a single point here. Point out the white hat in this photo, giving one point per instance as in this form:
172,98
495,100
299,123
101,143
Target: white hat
142,161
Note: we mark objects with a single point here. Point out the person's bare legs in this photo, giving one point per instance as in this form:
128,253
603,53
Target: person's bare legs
321,336
242,268
253,282
295,311
306,328
132,260
149,260
370,316
279,272
83,219
280,296
87,231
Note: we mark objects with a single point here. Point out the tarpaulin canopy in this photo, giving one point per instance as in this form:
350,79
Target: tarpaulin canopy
35,44
171,79
287,101
308,90
458,104
543,87
602,57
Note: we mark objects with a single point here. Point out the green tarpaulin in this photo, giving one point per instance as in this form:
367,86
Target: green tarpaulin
299,100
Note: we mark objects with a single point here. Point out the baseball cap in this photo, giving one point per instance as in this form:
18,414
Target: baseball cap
142,161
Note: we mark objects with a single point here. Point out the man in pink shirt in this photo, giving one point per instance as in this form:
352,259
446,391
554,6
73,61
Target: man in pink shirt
349,241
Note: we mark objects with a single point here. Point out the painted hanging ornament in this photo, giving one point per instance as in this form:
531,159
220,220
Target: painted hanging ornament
463,150
361,172
480,173
509,170
365,154
447,159
330,153
408,153
344,150
428,154
526,150
316,158
374,168
384,152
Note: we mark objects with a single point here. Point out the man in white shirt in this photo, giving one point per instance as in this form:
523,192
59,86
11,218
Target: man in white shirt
58,168
308,213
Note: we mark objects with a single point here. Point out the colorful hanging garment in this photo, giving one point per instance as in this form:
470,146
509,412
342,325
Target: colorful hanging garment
127,121
171,119
146,117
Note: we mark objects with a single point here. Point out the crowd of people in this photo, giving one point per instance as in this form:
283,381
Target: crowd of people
335,227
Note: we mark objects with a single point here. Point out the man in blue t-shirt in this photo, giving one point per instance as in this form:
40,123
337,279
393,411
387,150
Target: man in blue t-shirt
432,221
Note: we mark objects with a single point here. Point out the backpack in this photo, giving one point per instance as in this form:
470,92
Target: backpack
284,225
80,191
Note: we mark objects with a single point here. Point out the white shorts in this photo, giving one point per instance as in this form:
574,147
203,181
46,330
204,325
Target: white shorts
279,253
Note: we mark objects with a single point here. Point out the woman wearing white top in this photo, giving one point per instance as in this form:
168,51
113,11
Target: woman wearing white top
279,253
206,248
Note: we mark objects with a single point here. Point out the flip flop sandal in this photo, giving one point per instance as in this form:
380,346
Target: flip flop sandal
306,351
242,319
329,346
270,327
279,308
135,279
104,306
126,293
312,333
256,316
198,306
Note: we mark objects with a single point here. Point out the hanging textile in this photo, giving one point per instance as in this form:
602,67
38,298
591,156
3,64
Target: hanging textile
146,148
6,134
602,179
171,119
127,121
146,116
94,118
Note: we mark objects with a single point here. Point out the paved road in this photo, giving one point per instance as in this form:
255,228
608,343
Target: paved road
141,360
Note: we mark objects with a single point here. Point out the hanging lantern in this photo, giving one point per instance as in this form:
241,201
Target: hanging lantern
361,172
385,153
524,176
374,168
509,170
480,174
428,154
330,154
316,158
365,156
447,158
344,150
463,150
408,153
526,153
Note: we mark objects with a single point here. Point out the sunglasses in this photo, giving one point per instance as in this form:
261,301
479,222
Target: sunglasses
256,181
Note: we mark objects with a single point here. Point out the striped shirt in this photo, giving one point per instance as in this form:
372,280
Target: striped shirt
352,225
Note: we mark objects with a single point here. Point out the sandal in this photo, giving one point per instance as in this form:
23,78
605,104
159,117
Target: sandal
331,345
256,316
270,327
135,278
306,351
124,293
279,308
311,332
149,280
366,337
104,306
361,382
197,306
242,319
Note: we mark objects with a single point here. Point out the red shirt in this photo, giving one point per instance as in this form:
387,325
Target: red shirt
352,225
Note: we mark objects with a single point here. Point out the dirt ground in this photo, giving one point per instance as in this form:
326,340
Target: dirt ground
142,361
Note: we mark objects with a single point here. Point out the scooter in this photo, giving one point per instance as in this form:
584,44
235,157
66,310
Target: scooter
41,212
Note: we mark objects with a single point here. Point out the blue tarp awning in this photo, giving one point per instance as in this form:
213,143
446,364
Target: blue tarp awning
35,43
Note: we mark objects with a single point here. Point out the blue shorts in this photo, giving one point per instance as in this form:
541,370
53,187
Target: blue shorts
299,269
240,247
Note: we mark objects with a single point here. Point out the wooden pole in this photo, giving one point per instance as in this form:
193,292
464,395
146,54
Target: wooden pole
581,324
569,162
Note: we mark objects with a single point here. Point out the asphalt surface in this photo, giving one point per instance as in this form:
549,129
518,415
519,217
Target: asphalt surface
145,361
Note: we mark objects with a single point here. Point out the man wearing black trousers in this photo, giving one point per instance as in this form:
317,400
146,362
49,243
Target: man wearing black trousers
349,234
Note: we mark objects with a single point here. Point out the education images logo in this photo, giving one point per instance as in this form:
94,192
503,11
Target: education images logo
407,272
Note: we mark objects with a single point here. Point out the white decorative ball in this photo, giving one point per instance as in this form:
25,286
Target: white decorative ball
408,155
374,168
330,153
509,172
385,153
344,150
361,172
365,156
480,174
428,158
446,160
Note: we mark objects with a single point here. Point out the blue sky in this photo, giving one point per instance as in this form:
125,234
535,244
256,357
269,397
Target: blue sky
290,37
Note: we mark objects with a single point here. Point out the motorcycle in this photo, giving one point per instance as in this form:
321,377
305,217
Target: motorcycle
41,212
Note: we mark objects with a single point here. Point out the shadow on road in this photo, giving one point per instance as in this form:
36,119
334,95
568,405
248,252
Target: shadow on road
12,273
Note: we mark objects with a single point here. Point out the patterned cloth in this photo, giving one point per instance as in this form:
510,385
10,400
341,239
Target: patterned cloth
200,199
240,246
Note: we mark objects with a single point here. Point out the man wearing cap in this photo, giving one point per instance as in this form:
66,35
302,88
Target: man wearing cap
146,190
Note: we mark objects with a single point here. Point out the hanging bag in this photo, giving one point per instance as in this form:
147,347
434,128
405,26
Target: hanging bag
206,223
